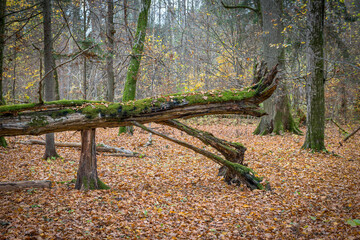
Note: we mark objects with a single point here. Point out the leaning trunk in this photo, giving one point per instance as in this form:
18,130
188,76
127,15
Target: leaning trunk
87,176
315,82
133,70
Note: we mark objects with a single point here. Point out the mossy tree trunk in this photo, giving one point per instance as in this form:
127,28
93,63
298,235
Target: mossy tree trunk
277,106
49,82
3,142
315,98
137,50
87,176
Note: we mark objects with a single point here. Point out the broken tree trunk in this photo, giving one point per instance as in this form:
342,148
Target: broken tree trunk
6,186
37,119
33,119
99,148
233,152
245,175
87,177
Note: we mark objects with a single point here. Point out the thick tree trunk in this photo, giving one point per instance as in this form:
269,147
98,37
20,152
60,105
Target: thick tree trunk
110,58
133,70
87,177
6,186
315,83
277,106
49,83
3,142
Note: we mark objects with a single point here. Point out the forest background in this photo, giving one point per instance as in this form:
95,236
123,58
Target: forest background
192,45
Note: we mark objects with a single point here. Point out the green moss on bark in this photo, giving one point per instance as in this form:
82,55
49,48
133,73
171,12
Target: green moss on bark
3,142
91,184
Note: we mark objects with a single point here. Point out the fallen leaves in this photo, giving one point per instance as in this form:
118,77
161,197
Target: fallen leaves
173,193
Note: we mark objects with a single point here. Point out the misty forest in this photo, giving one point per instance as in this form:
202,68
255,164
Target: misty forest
169,119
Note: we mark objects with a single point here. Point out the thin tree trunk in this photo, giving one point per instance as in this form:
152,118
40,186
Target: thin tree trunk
87,176
3,142
136,54
84,58
110,58
49,83
315,121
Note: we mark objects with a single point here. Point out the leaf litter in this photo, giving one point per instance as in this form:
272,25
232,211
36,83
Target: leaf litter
174,193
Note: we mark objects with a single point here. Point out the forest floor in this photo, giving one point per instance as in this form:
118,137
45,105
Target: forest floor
174,193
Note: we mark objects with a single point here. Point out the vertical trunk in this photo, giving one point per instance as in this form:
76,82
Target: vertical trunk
84,66
128,33
49,82
278,107
14,74
87,177
109,60
137,50
3,142
315,83
343,107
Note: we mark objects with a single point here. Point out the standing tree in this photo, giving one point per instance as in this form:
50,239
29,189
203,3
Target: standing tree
3,142
49,81
315,99
278,106
136,54
279,119
110,32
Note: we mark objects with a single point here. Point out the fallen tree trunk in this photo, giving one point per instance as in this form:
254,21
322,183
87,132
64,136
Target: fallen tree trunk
6,186
99,148
32,119
37,119
244,174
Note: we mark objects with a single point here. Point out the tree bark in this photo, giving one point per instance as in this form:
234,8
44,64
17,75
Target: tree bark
110,58
277,106
136,54
87,176
3,142
49,82
6,186
315,98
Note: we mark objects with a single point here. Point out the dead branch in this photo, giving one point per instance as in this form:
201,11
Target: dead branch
100,148
6,186
350,135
